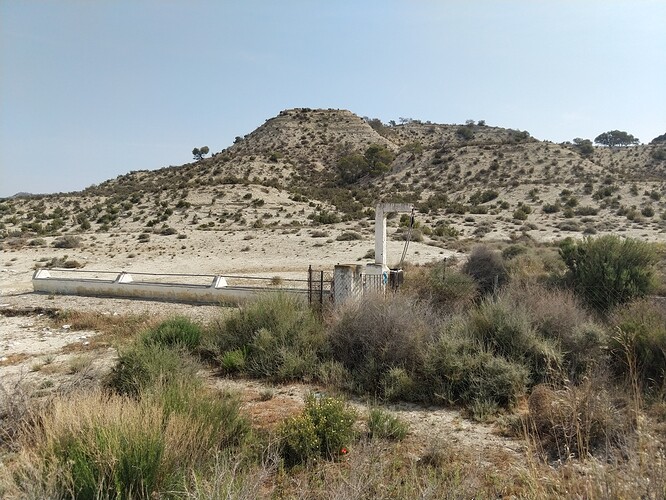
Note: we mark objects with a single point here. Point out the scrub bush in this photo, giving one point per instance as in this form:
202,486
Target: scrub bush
376,334
608,271
383,425
323,430
578,421
558,316
175,332
143,366
487,268
280,336
458,370
505,330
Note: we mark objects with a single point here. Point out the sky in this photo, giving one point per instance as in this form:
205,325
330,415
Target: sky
90,90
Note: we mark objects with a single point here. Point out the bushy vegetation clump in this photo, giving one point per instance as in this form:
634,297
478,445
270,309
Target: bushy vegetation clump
175,332
98,445
506,330
487,268
277,336
457,369
558,316
139,436
609,270
380,340
141,367
324,429
384,425
578,420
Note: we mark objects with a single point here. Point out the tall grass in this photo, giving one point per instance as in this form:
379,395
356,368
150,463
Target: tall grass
102,445
638,348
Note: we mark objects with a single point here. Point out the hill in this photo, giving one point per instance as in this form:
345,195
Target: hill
316,166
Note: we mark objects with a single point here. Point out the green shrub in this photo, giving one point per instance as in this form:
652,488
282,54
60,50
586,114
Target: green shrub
175,332
465,133
232,361
487,268
558,316
638,349
609,270
506,330
68,241
376,334
551,208
448,288
480,197
299,442
458,370
324,429
349,236
280,336
383,425
586,211
443,229
520,214
144,366
397,384
512,251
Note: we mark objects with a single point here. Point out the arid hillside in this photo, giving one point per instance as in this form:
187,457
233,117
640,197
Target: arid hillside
318,167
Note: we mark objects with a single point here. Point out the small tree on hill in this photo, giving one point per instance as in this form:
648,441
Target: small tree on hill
379,159
584,146
616,138
660,139
375,161
199,153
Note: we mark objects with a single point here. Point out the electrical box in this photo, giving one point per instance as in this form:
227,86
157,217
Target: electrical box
396,278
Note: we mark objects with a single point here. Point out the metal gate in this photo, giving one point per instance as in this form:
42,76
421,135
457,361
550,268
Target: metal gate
319,286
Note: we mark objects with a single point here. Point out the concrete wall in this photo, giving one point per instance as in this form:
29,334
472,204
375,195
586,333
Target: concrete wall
123,286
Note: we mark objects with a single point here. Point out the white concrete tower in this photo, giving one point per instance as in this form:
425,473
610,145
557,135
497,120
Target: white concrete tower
380,234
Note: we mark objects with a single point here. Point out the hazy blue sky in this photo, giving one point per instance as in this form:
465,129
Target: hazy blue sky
93,89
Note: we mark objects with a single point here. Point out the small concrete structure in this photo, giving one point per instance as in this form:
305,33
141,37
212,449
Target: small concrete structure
348,282
123,285
352,281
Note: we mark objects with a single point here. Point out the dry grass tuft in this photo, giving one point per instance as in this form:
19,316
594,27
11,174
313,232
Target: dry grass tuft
111,327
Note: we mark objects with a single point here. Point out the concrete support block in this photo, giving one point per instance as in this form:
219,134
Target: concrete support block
348,282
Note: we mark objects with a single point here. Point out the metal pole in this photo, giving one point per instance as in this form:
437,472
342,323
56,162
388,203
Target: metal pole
310,284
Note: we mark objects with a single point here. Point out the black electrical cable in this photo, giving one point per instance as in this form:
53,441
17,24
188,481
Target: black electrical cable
408,239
